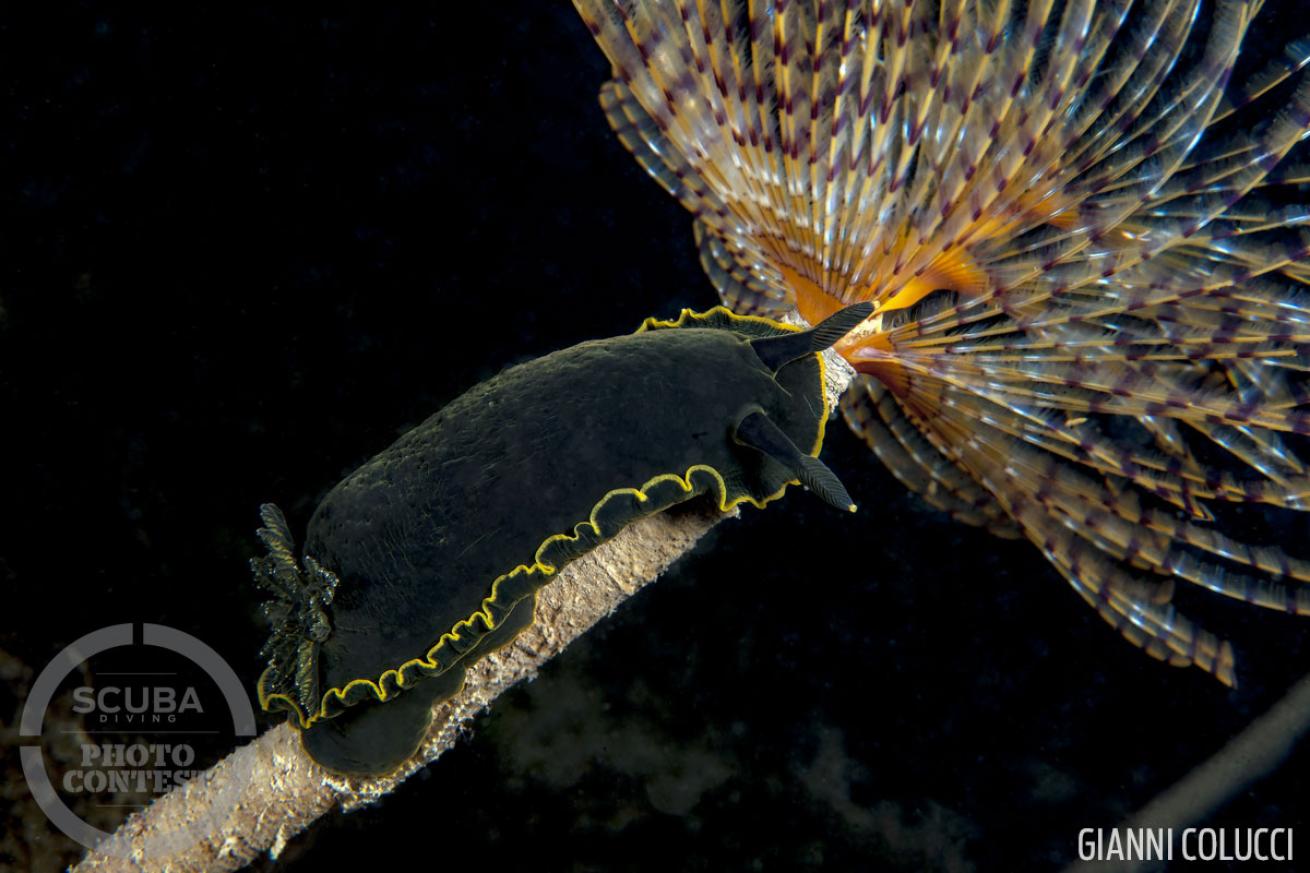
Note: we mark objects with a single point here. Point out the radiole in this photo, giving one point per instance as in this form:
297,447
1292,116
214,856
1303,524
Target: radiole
1091,325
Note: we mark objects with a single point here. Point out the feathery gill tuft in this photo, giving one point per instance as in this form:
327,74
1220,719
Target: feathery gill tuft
1091,325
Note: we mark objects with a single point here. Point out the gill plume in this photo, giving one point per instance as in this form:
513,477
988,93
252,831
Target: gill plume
1085,247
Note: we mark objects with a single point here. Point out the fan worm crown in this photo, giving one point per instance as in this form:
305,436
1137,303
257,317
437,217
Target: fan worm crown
1085,244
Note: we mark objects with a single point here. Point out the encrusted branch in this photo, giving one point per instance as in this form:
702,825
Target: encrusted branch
1260,749
268,791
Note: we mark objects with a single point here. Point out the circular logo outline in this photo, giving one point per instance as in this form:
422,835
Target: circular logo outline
32,720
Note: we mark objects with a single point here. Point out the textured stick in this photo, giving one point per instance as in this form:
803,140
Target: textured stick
282,791
1261,747
264,793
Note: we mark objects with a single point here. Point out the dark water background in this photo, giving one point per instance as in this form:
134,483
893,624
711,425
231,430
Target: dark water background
244,248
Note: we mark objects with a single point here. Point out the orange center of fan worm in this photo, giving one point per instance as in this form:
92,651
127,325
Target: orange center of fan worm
871,349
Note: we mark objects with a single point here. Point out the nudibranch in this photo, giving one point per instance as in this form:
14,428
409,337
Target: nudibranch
1091,330
430,555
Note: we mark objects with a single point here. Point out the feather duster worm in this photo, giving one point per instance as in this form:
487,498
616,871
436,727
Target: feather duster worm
1090,329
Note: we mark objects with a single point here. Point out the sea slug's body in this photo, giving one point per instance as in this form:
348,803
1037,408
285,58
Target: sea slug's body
429,555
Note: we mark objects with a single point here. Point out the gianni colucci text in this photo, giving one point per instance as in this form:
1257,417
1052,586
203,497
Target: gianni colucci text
1185,844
